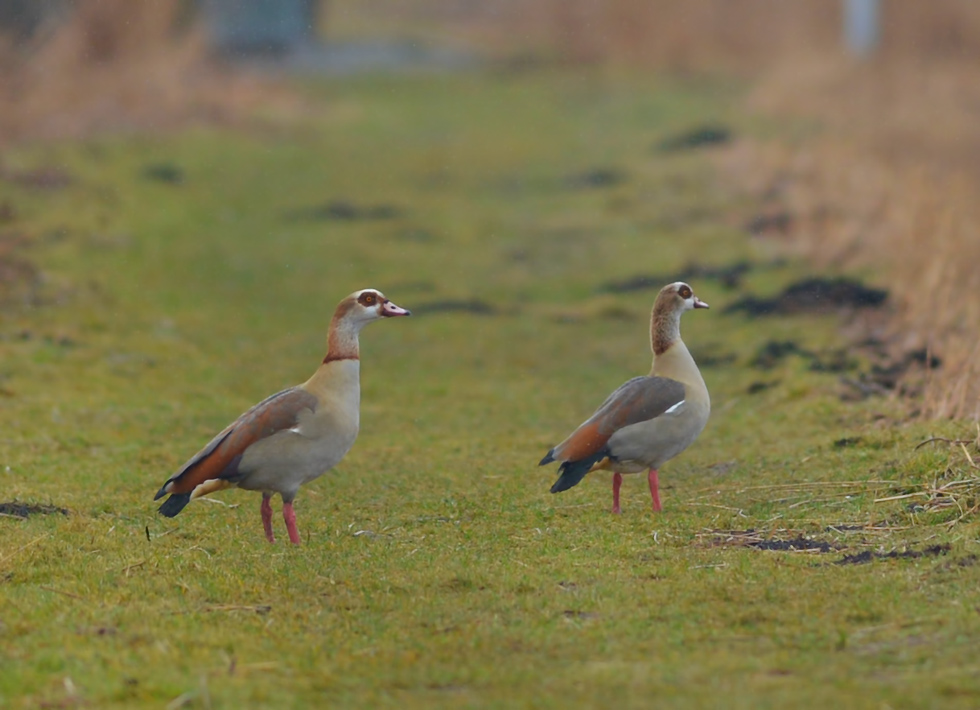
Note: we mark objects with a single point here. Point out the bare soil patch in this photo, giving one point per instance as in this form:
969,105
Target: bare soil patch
869,555
16,509
813,295
760,541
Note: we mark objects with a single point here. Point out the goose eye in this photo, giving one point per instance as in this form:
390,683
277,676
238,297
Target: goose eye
685,292
367,299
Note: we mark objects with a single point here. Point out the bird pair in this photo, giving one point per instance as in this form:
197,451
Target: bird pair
299,434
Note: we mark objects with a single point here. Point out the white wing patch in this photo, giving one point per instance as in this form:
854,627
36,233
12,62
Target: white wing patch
675,407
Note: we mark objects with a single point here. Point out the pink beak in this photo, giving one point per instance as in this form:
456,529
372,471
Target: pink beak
698,303
389,309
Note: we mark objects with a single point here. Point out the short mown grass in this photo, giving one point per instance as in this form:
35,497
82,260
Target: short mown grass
436,569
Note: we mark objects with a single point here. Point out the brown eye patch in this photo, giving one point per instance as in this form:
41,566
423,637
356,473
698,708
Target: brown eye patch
684,292
367,299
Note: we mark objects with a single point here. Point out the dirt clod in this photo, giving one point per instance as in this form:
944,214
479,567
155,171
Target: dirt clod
757,540
813,295
718,359
887,375
26,510
698,137
760,386
773,352
164,172
867,556
575,614
796,544
596,178
344,211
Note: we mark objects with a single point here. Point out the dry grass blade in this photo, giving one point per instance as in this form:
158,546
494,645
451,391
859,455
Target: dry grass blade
23,547
788,492
957,486
62,593
934,439
798,485
135,565
256,608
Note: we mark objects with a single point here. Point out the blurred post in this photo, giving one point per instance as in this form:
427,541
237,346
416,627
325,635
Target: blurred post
260,26
22,18
861,26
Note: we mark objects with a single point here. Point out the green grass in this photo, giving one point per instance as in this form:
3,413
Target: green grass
437,570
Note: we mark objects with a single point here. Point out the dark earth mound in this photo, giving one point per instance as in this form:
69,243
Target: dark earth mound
760,386
26,510
772,352
868,556
167,173
751,538
719,358
794,545
596,178
886,377
705,136
813,295
344,211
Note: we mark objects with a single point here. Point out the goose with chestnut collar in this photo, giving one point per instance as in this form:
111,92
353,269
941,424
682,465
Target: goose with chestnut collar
292,437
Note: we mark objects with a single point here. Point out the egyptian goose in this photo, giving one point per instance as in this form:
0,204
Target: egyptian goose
649,420
292,437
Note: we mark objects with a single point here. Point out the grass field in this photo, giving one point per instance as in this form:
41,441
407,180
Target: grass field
188,276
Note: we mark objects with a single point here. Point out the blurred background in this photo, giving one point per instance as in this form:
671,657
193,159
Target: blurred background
885,179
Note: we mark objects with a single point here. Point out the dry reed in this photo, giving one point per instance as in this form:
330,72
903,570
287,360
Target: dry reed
113,65
890,186
955,486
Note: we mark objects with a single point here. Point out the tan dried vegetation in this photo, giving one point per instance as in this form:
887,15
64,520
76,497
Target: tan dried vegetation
117,65
891,184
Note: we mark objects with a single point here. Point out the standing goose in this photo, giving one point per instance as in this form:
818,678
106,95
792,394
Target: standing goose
294,436
648,420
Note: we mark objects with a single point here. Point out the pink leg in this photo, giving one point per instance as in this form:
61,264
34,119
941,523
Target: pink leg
289,515
654,481
267,518
617,482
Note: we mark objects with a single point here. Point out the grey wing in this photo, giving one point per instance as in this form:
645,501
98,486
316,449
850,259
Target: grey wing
280,411
638,400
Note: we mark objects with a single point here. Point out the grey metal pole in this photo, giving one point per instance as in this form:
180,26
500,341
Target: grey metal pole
862,20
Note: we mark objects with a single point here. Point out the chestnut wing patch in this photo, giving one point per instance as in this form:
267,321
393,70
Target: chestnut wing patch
638,400
220,458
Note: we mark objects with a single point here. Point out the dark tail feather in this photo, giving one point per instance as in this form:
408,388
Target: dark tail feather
548,458
574,471
174,504
161,493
